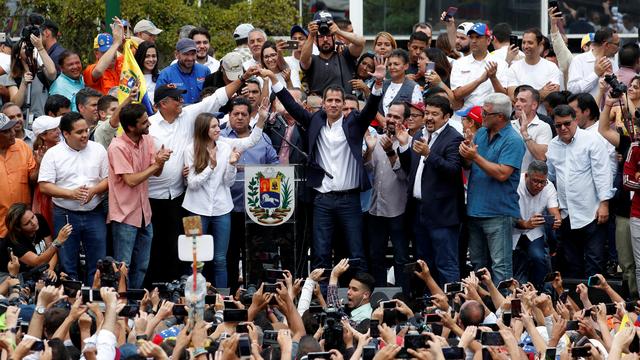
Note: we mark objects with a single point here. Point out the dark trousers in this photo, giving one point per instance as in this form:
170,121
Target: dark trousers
531,261
380,229
236,247
340,211
164,264
583,249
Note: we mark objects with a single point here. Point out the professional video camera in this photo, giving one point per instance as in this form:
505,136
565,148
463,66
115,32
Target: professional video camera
109,273
332,332
617,88
173,290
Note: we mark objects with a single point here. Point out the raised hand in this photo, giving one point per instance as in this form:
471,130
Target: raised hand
380,68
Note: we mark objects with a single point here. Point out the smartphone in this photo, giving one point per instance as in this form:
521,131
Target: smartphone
269,288
411,267
491,338
71,287
573,325
506,318
270,337
432,318
316,309
180,310
3,37
431,66
326,273
454,287
292,45
593,281
212,329
630,306
130,311
210,299
374,332
275,274
244,347
234,315
486,355
453,353
611,309
369,352
505,284
415,341
580,351
90,295
391,304
242,328
493,327
480,273
634,346
549,219
37,346
516,308
550,354
513,40
134,294
451,12
319,355
564,296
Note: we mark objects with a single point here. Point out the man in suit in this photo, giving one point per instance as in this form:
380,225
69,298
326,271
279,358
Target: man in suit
335,169
435,187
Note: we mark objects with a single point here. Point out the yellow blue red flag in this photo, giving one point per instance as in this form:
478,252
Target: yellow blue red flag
130,75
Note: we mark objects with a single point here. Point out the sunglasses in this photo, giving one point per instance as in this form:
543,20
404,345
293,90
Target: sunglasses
560,125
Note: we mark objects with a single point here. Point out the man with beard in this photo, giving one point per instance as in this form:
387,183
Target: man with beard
202,39
358,293
330,67
132,160
185,74
458,35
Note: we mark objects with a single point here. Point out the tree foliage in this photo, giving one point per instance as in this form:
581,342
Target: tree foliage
81,20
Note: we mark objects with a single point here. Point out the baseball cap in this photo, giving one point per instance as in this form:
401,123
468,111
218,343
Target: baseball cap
103,42
185,45
166,91
6,123
322,15
418,106
587,39
232,65
242,31
49,24
146,25
298,29
464,27
474,113
480,28
44,123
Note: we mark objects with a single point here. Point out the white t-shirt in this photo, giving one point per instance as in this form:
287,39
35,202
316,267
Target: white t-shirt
530,205
536,76
502,54
539,131
467,69
5,62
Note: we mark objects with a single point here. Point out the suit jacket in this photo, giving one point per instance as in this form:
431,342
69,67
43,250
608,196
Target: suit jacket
442,202
354,127
277,131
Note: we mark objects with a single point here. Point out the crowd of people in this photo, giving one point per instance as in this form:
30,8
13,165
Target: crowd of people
496,167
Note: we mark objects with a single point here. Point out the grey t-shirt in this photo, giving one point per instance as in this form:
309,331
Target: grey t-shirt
337,70
39,95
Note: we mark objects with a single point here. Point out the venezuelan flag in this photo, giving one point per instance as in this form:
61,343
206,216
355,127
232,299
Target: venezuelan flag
130,75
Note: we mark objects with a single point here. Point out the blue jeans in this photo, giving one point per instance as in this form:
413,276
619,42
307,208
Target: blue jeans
583,249
380,229
342,210
132,245
530,261
90,231
220,228
438,246
490,245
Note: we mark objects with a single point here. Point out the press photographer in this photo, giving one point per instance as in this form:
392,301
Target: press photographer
32,71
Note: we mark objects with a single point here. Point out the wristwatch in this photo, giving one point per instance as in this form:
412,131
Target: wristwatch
40,310
391,152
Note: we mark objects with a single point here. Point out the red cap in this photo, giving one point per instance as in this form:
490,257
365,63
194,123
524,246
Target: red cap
418,106
475,114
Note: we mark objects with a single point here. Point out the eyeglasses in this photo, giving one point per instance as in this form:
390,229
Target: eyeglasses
539,182
485,114
416,115
565,123
271,56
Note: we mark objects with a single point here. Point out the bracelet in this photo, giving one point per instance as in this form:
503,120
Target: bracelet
57,244
141,337
199,351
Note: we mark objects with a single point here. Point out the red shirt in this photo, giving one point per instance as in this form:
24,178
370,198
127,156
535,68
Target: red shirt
629,179
109,79
128,204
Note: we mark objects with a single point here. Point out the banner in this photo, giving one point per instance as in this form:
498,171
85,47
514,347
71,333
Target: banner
130,75
269,193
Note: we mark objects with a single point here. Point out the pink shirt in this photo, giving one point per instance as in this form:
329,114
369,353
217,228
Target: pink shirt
128,204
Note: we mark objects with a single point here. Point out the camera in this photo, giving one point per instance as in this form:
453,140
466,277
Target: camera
31,277
617,88
173,290
332,334
323,22
246,297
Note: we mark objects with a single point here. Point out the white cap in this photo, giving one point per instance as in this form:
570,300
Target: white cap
464,27
232,65
44,123
146,25
242,31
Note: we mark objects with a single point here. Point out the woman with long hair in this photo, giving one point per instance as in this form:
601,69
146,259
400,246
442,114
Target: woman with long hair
362,81
271,58
438,77
47,133
30,239
21,74
147,58
444,44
